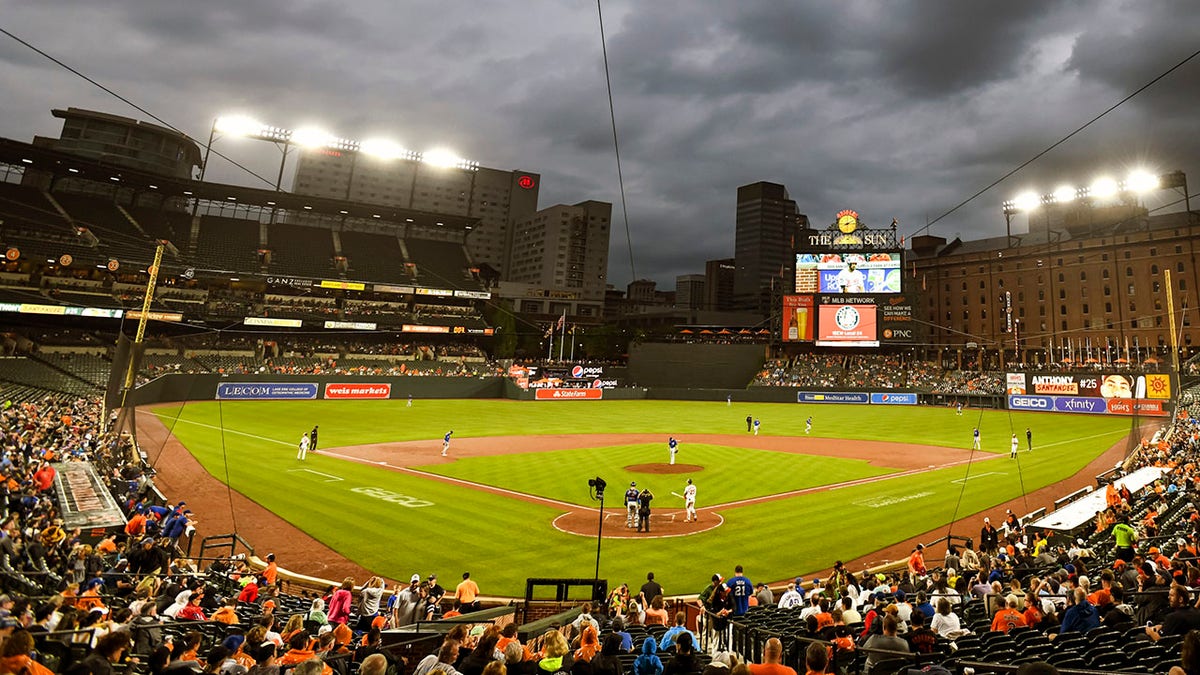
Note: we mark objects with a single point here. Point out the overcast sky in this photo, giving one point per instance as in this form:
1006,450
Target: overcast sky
897,109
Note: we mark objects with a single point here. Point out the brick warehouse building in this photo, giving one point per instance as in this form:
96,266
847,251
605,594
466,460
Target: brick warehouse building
1063,288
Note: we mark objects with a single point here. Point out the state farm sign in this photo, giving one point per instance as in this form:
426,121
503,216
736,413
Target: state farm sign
567,394
358,390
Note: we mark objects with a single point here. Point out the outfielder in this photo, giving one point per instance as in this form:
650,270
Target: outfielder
631,505
673,446
303,453
689,501
975,441
808,424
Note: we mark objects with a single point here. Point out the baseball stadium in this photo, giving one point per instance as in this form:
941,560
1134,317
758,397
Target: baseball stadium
305,430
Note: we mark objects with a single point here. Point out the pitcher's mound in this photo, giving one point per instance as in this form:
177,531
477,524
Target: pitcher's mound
664,468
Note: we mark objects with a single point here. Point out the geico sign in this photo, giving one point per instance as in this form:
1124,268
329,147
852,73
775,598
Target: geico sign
1027,402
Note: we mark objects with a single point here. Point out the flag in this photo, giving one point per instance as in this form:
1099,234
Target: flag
562,321
549,330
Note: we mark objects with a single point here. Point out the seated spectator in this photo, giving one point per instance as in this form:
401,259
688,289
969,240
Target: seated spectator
945,622
1182,618
1081,616
772,660
667,641
816,659
15,656
608,661
557,654
684,662
1007,617
648,663
920,637
887,641
656,613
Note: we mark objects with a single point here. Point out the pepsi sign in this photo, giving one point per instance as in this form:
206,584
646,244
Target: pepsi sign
889,398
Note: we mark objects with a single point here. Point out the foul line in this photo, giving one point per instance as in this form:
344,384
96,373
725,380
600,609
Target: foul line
331,478
959,481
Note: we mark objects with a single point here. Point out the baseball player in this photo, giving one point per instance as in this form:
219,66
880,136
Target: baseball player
1013,453
958,409
446,442
1029,438
410,400
673,446
757,423
631,505
689,501
975,441
808,424
303,453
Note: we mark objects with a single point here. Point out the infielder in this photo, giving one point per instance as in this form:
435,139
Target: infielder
303,453
689,501
808,424
631,505
673,446
756,425
975,442
446,442
1013,453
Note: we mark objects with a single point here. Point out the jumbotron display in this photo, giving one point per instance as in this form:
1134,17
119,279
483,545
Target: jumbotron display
849,288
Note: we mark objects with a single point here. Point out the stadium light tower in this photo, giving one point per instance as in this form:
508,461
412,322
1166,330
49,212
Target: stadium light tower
315,138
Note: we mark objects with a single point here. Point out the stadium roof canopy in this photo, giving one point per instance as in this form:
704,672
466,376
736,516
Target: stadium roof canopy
64,165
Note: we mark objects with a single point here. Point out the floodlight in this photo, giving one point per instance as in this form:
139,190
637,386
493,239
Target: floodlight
382,148
1027,201
1103,188
441,157
1064,194
311,137
1140,181
238,125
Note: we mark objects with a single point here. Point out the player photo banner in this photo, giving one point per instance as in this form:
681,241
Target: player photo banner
798,318
847,325
1106,385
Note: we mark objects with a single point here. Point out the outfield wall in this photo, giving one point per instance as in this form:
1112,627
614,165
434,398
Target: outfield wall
694,365
205,386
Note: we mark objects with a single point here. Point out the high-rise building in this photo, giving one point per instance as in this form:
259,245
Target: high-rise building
498,198
718,284
689,291
768,226
562,250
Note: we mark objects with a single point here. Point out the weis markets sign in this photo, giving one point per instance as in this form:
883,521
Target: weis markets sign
358,391
266,390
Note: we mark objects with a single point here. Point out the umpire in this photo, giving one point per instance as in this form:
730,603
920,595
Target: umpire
644,500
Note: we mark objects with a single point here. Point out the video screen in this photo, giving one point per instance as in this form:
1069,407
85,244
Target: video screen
848,272
847,326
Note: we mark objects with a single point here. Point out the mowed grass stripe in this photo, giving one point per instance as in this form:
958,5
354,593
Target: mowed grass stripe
729,474
503,540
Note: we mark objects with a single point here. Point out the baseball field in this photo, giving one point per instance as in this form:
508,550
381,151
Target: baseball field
511,500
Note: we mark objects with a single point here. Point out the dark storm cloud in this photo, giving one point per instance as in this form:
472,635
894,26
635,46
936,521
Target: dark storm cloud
898,109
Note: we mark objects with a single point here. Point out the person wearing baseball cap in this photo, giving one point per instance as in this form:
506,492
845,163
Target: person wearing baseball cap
631,505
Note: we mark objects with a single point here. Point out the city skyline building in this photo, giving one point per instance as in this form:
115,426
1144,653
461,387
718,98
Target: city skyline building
768,225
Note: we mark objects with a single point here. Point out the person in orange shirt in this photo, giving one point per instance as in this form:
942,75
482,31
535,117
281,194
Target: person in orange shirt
467,594
14,655
226,613
1007,617
136,525
271,572
300,650
773,660
916,563
107,545
90,599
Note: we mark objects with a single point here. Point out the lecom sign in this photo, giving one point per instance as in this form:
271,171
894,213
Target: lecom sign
382,390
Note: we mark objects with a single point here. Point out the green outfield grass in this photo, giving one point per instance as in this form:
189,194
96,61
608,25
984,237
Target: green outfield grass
503,541
729,474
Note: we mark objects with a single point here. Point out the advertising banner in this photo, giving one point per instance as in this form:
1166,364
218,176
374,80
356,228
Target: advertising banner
1089,405
416,328
833,397
273,323
896,319
847,325
351,325
1100,384
568,394
266,390
83,499
890,398
345,390
1014,383
798,318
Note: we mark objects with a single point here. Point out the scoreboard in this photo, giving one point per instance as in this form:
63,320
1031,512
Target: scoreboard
849,288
